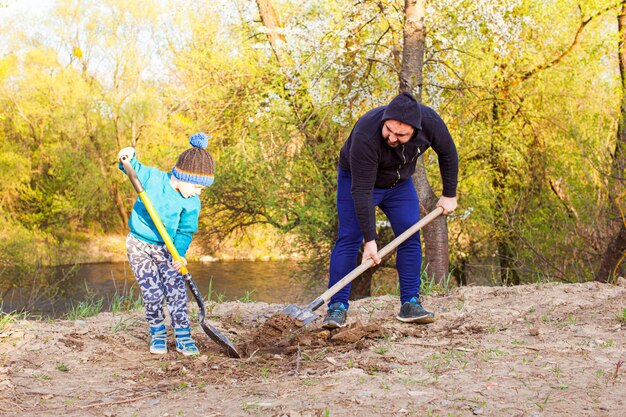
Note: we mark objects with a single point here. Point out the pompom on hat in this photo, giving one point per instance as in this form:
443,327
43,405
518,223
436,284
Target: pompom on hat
195,165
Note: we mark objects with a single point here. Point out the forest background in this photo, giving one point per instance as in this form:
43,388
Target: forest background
531,92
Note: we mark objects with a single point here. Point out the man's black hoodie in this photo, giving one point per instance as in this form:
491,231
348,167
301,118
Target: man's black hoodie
373,163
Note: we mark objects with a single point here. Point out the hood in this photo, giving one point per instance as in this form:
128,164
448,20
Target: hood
404,108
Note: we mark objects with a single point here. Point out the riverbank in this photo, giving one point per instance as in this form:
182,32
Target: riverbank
533,350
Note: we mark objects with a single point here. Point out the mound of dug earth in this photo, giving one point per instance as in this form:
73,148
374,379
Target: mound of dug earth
282,334
535,350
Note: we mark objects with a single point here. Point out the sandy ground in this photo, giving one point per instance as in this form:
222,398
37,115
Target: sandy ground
536,350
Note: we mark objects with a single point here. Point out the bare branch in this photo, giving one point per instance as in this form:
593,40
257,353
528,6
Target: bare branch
575,41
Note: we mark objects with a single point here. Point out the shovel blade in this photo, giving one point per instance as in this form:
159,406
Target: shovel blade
220,339
305,315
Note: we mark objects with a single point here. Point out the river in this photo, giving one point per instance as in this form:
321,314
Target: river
271,282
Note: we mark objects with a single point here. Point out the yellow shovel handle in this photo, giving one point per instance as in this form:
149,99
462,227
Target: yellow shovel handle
153,214
161,228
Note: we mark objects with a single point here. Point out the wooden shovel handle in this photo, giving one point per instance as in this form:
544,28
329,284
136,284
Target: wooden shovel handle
326,296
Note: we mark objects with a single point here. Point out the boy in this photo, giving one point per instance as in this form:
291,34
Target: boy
175,197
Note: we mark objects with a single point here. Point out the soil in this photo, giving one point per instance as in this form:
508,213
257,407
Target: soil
533,350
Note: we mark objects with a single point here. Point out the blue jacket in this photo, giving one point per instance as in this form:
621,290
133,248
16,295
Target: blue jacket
178,214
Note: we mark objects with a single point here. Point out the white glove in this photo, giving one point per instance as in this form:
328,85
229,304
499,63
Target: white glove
129,152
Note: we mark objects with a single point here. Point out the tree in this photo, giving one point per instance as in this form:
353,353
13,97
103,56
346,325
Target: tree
616,248
269,135
500,70
435,235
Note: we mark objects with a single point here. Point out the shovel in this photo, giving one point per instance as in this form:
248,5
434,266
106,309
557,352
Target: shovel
211,331
307,315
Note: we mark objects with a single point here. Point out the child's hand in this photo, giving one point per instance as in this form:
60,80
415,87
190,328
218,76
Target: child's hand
129,152
178,265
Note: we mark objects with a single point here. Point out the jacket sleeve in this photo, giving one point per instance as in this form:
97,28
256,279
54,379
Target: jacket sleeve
187,226
445,148
364,156
142,171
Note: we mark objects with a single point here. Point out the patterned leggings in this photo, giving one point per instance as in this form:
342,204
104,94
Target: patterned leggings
158,280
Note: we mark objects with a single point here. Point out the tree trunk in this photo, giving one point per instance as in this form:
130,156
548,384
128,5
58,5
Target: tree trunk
411,72
508,270
612,256
309,123
119,203
435,234
616,248
272,23
500,171
114,191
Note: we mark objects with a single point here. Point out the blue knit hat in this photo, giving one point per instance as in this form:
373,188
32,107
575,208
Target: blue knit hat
195,165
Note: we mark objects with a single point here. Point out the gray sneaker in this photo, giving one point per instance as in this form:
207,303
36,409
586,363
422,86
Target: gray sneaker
413,312
335,316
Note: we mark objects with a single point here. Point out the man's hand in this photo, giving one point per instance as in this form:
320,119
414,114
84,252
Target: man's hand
128,152
448,204
178,265
370,250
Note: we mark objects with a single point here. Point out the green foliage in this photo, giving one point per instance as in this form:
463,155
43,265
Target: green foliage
123,324
430,286
62,367
247,298
14,176
534,121
125,301
523,131
87,308
18,244
6,319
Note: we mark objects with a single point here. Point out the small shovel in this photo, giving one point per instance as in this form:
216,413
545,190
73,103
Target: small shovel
307,315
211,331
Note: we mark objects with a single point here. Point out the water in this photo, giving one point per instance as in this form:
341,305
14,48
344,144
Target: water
271,282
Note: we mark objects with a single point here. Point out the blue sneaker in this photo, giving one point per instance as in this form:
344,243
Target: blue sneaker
413,312
158,340
335,316
184,342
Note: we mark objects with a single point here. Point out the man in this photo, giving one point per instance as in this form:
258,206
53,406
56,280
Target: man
375,168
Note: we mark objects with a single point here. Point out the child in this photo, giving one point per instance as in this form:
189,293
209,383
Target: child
175,197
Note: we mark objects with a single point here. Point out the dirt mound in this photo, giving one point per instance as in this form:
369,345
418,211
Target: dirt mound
272,336
536,350
283,334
